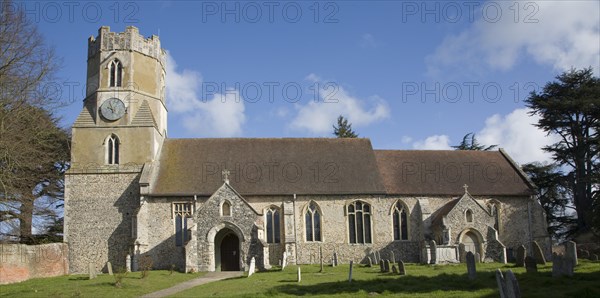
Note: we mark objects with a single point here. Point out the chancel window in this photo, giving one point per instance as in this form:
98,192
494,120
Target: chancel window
312,219
359,222
115,73
112,147
273,228
400,219
181,211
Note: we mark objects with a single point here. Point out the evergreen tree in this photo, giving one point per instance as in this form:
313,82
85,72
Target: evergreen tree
343,128
570,109
469,142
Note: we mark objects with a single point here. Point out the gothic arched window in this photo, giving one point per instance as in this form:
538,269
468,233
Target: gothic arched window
115,73
312,219
112,148
359,222
273,229
400,219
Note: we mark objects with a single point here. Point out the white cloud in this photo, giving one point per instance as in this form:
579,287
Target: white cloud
436,142
220,116
318,117
564,36
516,133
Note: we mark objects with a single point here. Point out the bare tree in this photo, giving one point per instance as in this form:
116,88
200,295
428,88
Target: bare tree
32,145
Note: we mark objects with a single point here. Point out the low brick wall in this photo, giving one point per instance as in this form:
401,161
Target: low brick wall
20,262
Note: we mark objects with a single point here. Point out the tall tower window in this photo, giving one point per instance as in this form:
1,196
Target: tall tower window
112,148
116,73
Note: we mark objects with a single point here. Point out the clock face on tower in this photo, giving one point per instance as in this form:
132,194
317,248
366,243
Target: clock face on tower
112,109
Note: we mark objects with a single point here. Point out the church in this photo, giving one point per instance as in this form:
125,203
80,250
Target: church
213,204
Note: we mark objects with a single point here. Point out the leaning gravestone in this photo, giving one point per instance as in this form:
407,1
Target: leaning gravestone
350,272
433,252
477,258
386,266
571,250
92,270
594,257
521,252
109,268
508,286
401,269
299,274
252,267
381,266
394,270
370,264
530,265
537,253
472,271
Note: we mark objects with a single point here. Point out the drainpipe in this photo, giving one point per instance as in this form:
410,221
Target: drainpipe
529,228
295,230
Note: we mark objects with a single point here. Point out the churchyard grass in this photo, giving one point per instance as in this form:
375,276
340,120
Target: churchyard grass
102,286
420,281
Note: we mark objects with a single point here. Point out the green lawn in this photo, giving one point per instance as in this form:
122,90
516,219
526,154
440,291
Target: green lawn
102,286
421,281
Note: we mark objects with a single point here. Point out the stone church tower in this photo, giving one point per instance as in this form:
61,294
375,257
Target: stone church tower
122,126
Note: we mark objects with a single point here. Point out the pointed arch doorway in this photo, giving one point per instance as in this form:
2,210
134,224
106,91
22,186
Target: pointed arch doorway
227,251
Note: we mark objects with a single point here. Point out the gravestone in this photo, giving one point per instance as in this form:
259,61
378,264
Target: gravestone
530,265
370,264
521,252
508,286
284,260
584,254
335,258
128,263
393,259
512,285
350,272
252,267
394,270
594,257
332,262
299,274
562,265
109,268
401,269
462,253
433,252
378,257
321,257
471,269
381,266
92,270
386,266
477,257
537,253
571,250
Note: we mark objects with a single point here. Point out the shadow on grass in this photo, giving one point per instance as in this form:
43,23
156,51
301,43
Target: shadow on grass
402,285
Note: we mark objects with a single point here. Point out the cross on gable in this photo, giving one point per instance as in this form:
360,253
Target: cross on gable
466,187
225,174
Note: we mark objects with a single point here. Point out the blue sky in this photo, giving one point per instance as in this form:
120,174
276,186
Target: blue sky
408,75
